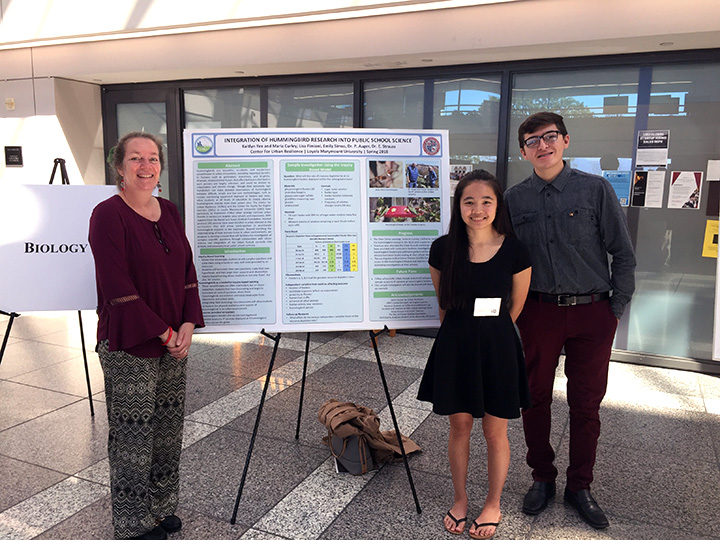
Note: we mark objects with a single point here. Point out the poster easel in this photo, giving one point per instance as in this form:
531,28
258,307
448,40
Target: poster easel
276,339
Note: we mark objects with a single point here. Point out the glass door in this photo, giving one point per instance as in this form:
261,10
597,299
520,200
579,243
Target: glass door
147,110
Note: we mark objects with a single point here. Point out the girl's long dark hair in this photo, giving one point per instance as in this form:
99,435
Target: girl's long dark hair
455,273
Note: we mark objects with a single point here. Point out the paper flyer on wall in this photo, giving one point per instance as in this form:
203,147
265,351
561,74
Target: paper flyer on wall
315,230
710,241
713,170
652,148
648,189
685,189
620,181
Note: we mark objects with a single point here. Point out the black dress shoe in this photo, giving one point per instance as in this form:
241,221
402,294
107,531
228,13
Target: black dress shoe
171,523
589,510
158,533
536,499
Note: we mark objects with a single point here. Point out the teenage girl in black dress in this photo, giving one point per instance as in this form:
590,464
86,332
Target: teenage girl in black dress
476,369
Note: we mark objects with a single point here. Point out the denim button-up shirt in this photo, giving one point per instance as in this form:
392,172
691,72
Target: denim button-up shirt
571,225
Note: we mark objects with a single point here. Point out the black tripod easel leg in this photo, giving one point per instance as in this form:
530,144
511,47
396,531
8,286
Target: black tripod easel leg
373,335
12,316
87,371
63,171
302,386
276,339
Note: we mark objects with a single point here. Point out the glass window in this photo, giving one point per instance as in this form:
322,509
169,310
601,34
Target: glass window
222,108
598,107
315,106
394,105
672,310
469,108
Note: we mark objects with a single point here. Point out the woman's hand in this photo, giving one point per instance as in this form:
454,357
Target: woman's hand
179,345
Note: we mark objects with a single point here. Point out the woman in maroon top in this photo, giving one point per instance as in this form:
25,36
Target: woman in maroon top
148,307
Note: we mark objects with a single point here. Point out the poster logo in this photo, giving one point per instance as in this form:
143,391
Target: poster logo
431,146
203,144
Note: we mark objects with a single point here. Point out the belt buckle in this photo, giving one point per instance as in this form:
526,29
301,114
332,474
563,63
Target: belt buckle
566,300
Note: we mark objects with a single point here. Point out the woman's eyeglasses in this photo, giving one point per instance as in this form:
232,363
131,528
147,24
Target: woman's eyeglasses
158,235
549,137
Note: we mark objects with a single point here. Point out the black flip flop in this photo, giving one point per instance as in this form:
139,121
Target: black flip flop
480,525
457,522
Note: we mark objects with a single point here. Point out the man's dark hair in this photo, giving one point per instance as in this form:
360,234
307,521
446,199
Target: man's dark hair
538,120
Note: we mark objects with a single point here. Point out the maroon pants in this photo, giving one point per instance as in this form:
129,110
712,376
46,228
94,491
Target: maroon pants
587,333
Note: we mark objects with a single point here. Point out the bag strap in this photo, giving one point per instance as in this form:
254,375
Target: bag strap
332,451
363,454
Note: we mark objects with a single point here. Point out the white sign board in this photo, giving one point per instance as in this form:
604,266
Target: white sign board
45,258
315,230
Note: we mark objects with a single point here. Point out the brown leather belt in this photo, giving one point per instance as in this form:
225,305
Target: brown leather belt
566,300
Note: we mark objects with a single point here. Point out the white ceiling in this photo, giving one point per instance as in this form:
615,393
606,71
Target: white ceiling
525,29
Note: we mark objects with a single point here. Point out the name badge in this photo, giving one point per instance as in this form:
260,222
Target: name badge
487,307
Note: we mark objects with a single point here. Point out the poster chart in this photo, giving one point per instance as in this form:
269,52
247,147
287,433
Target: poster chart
315,229
45,258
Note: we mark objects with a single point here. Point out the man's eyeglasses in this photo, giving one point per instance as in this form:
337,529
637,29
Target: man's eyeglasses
549,137
158,235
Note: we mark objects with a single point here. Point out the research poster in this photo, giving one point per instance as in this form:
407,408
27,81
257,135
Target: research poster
315,230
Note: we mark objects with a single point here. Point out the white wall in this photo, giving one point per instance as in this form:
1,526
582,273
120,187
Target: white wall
46,46
30,20
52,118
79,112
155,40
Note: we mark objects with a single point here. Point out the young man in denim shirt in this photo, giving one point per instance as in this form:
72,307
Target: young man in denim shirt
583,277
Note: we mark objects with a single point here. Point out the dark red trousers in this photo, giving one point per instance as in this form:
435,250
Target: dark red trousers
587,333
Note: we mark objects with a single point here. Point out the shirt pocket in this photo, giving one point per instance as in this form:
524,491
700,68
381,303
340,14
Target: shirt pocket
527,228
580,224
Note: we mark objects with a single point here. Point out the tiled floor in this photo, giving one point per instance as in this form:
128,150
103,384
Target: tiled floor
657,474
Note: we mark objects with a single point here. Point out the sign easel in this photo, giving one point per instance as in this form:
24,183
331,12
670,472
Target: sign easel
12,316
66,180
59,163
